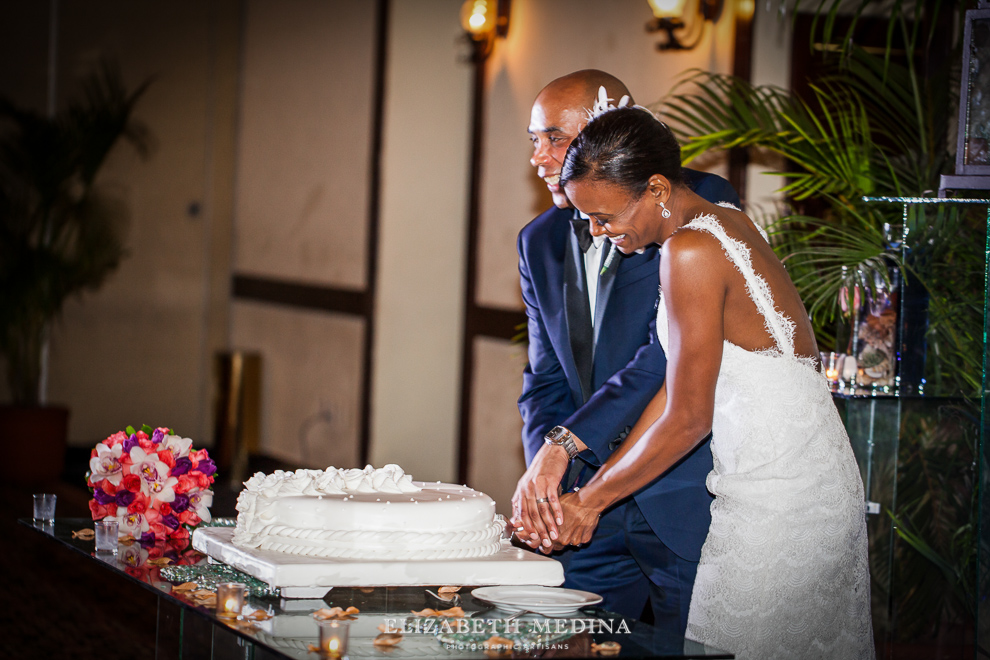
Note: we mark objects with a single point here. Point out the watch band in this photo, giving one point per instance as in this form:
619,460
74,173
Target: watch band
562,437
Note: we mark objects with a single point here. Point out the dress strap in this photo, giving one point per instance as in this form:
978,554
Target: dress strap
778,325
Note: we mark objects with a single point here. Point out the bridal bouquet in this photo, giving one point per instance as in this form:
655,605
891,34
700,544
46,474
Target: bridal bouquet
153,483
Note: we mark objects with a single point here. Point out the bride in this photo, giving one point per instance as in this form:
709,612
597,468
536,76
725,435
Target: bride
783,572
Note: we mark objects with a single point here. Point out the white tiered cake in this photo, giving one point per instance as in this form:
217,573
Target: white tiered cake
310,530
365,514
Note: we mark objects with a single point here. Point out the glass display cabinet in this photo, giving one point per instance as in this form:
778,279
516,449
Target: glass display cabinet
921,442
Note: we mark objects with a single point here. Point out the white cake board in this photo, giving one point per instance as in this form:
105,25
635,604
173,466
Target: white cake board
312,577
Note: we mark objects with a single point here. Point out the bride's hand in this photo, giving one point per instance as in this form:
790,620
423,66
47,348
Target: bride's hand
539,519
581,519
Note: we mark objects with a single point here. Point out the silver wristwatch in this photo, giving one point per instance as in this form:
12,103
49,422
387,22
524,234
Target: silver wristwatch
560,436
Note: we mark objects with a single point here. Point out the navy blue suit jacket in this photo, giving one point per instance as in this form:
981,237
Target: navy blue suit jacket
628,368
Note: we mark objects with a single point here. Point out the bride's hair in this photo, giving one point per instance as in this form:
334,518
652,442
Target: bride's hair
625,147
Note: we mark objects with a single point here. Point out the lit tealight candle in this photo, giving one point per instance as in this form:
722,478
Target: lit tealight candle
333,637
230,599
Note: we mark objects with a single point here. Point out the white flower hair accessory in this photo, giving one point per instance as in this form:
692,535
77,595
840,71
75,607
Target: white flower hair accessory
604,104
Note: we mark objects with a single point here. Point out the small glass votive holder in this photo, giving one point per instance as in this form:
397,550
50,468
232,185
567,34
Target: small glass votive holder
44,507
106,535
833,367
333,637
230,599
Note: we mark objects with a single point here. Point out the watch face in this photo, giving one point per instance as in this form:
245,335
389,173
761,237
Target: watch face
556,433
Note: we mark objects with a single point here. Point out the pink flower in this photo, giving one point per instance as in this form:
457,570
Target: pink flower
197,456
139,505
180,533
186,483
115,439
101,511
166,457
160,531
134,483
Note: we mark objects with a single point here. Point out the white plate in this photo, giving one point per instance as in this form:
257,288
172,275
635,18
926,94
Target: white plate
550,601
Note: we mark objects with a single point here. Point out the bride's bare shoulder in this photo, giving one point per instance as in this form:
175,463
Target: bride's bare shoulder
689,243
690,252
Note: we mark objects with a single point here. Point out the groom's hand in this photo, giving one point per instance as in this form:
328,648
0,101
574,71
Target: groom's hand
538,520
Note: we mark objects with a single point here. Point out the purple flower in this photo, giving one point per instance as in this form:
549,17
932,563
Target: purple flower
180,504
157,436
207,467
170,521
124,497
147,540
130,443
102,497
182,465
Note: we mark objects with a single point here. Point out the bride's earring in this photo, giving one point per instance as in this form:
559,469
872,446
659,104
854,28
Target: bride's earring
664,211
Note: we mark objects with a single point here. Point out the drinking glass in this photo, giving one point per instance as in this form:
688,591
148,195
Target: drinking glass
44,507
106,535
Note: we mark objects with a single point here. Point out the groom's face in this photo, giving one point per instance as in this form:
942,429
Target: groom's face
557,117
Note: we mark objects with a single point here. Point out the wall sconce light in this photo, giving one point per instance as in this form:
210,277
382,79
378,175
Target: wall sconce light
669,18
483,21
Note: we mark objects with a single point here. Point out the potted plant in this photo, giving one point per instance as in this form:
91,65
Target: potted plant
59,236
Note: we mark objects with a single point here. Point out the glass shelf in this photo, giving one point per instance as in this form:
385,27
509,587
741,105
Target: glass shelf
186,630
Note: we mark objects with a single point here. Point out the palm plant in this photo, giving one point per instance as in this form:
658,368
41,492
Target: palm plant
59,235
873,127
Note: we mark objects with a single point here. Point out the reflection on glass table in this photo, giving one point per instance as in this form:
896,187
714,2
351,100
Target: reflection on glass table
272,627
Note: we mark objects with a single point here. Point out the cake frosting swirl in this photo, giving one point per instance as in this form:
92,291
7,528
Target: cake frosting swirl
365,514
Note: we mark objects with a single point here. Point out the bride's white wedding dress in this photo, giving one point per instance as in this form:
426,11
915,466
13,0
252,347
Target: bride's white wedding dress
783,572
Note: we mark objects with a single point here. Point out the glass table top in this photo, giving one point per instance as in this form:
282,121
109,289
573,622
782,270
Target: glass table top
286,628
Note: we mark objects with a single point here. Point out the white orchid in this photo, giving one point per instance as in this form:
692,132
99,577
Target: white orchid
147,466
179,446
134,524
163,489
106,464
200,502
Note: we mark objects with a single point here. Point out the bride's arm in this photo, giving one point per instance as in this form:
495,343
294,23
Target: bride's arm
693,276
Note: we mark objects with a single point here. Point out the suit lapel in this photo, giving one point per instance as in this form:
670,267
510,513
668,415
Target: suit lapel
578,315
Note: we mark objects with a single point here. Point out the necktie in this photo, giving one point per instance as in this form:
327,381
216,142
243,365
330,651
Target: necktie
582,231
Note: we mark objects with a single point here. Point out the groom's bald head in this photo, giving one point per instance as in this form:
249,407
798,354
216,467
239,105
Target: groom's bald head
559,113
580,89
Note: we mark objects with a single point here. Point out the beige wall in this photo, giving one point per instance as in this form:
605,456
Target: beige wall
303,154
496,458
421,250
310,381
301,215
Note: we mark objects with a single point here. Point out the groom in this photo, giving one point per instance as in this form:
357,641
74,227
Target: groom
594,364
